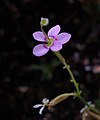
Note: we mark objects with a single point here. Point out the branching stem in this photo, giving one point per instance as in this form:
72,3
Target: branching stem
77,91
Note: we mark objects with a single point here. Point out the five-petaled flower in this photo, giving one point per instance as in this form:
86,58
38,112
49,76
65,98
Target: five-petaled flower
53,41
45,102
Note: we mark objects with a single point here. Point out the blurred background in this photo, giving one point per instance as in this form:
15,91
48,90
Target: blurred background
25,79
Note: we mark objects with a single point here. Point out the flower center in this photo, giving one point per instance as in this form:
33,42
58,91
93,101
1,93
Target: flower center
49,42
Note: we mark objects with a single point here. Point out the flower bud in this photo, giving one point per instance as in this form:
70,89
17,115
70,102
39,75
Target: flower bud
44,21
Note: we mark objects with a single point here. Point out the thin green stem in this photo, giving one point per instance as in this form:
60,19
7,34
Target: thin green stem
44,32
68,69
78,93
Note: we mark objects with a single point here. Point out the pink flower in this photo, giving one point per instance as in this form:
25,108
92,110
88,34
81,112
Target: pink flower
54,41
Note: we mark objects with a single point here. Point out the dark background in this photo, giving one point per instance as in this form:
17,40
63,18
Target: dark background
25,79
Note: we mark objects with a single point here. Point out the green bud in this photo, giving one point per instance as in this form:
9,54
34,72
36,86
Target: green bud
44,21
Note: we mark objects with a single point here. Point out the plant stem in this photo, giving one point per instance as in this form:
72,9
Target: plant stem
94,115
91,108
44,32
78,93
83,116
68,69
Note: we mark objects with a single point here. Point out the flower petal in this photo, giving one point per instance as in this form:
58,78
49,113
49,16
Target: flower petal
40,50
40,112
45,100
56,46
63,37
54,31
37,105
39,36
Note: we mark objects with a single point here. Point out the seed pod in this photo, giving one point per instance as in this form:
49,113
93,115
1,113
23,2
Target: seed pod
60,98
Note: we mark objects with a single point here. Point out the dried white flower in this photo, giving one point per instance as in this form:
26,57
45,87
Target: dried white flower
45,101
86,108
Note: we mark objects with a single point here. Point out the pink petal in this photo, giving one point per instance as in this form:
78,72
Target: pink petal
54,31
40,50
63,37
39,36
56,46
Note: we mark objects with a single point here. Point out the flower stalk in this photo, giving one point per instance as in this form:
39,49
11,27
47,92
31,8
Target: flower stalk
70,72
77,92
44,32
